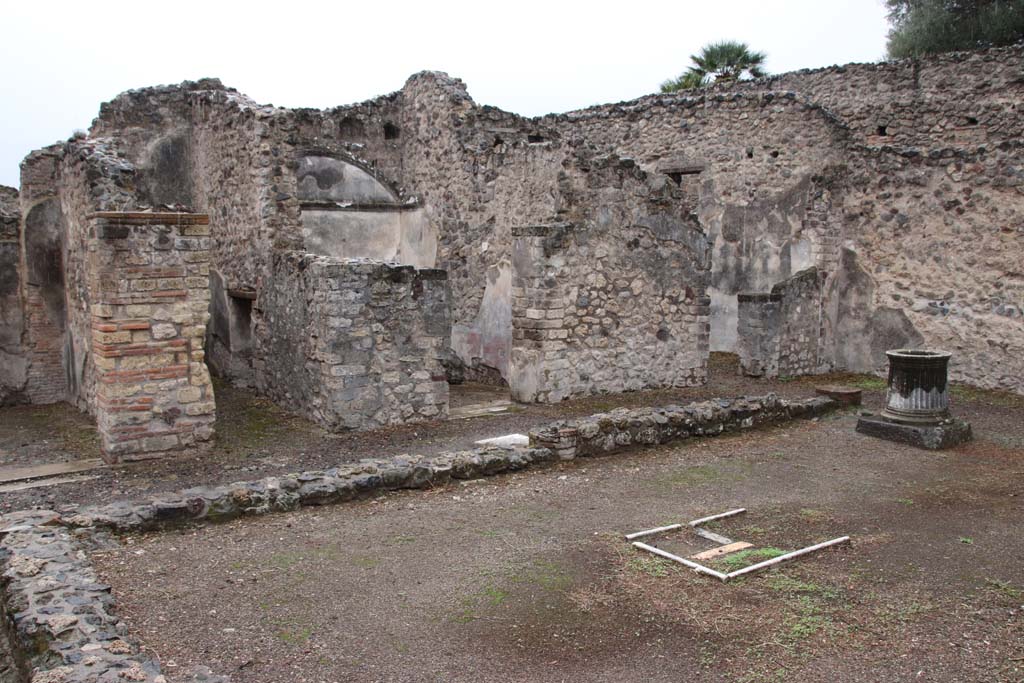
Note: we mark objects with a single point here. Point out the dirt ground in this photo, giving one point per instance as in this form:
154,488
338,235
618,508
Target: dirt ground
257,439
525,577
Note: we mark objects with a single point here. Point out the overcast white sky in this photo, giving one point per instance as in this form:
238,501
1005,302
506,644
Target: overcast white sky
62,59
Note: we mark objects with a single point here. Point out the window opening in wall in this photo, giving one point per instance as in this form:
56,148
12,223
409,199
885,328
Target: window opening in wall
391,131
972,121
535,139
883,130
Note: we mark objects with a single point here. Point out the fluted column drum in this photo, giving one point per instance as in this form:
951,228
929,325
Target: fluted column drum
917,392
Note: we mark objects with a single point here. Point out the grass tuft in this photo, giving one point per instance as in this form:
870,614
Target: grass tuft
745,558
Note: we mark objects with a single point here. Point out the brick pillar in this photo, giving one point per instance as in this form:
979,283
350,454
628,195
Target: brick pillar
149,293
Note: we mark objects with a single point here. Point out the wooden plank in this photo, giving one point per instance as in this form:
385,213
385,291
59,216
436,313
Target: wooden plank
49,481
8,474
722,550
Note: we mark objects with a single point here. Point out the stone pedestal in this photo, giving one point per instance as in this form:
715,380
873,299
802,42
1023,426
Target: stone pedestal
946,434
917,403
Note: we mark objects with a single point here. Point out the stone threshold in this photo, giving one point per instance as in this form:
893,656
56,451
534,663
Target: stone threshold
61,621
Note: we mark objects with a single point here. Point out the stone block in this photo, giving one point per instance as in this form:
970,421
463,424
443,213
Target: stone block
189,395
931,437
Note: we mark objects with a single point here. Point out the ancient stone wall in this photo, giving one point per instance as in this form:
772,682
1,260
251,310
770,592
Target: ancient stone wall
353,344
765,158
244,170
613,298
758,326
783,332
13,364
802,324
959,99
148,278
622,428
834,168
775,154
933,255
117,305
476,171
949,194
43,237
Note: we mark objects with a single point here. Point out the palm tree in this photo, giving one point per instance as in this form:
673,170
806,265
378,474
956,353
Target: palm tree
724,61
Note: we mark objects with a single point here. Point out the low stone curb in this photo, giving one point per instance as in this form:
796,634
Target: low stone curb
623,429
604,433
59,618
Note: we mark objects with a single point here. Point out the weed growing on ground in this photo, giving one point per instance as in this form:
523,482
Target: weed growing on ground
696,475
745,558
285,560
997,397
1004,588
902,613
786,584
869,383
295,636
403,540
812,515
652,566
548,577
494,595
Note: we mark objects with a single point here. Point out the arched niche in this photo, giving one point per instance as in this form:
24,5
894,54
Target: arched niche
349,213
327,179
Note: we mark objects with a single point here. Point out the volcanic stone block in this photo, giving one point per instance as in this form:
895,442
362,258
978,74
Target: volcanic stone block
946,434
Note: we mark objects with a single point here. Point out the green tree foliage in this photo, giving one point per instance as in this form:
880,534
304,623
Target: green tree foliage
922,27
724,61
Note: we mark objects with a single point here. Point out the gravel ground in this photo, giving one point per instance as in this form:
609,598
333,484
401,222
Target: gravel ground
525,577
